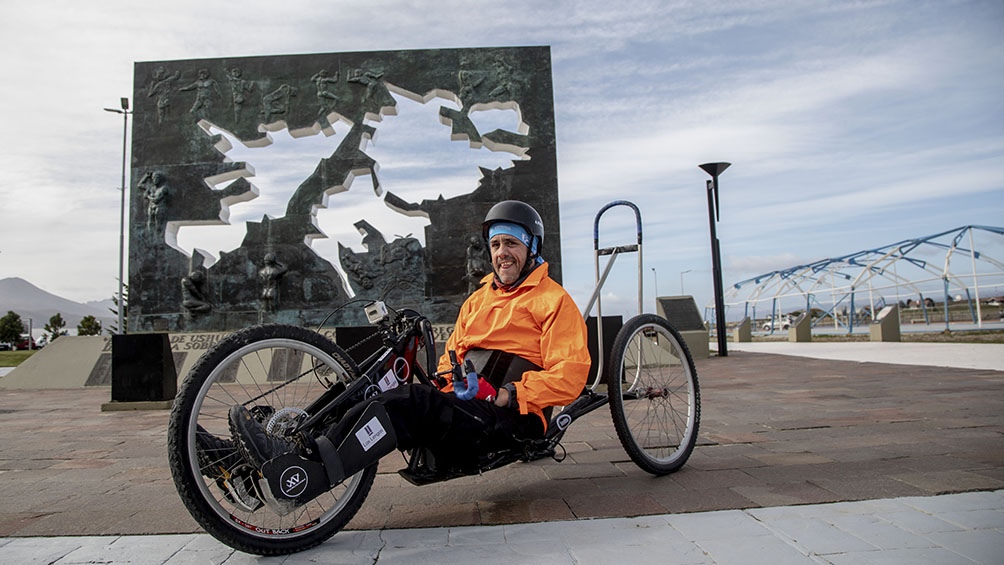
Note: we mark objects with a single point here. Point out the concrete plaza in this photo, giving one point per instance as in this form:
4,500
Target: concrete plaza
800,459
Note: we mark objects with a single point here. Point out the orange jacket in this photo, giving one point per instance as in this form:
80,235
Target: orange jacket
538,321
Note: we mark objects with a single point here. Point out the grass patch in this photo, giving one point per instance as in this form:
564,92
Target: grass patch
973,336
976,336
14,358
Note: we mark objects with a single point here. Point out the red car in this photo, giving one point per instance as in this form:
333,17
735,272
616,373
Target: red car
23,344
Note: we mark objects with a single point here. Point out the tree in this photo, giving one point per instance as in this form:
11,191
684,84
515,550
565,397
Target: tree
89,325
11,327
114,329
55,327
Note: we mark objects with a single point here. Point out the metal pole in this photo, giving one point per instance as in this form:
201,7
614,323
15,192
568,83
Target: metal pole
716,269
641,278
681,280
715,169
122,210
125,129
853,313
947,328
655,277
976,281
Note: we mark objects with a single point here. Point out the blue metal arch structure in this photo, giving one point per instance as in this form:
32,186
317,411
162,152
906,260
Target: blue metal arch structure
954,261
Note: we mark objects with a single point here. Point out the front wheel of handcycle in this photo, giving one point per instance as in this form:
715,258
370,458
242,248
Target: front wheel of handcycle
655,400
275,371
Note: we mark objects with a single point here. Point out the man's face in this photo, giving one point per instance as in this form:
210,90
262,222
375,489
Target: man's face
508,257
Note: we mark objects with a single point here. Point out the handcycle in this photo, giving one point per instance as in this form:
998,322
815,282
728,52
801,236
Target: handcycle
295,380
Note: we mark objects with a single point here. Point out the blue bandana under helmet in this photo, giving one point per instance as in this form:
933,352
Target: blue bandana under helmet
517,231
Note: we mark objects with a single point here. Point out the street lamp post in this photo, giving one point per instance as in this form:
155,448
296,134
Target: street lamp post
655,277
681,279
716,169
125,131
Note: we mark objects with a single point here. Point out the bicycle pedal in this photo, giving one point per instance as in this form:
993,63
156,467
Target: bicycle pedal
239,489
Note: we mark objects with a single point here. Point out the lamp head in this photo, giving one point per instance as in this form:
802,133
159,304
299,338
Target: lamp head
715,169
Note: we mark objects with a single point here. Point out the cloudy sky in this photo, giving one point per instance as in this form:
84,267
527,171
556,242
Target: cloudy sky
849,124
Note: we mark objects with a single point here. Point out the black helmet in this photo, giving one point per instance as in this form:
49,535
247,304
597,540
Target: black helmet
518,213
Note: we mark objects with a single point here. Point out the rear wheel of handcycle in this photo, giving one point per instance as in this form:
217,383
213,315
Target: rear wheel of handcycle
655,399
275,371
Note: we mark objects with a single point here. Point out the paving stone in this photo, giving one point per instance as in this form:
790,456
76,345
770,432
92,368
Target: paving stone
879,532
693,479
582,471
767,550
867,487
702,500
925,556
722,525
525,511
415,516
786,494
606,455
921,523
611,505
941,482
980,546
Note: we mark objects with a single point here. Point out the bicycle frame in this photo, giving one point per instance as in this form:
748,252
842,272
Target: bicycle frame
393,364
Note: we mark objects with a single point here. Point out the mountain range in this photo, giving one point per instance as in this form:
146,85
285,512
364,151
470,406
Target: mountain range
32,303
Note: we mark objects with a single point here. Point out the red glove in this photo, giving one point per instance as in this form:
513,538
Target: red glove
485,389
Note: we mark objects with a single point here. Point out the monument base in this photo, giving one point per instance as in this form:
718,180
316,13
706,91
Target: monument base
116,406
143,368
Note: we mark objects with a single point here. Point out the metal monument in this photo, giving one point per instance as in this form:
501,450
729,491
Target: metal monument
181,177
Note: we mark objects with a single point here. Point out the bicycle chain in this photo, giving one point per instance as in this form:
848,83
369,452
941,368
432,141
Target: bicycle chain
359,343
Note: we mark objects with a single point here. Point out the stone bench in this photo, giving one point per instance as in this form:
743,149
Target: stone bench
886,325
682,314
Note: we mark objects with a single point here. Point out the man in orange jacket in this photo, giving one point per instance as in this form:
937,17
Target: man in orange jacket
527,340
521,311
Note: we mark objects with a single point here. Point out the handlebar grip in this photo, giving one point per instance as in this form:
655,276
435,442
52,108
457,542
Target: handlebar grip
466,390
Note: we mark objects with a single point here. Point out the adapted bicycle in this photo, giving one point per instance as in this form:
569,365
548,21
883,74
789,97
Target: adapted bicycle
295,380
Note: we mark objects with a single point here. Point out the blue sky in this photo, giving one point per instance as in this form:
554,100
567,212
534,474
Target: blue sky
849,125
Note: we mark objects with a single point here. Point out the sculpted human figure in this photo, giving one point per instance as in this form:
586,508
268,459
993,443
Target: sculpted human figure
325,98
478,264
239,89
161,88
370,79
277,101
468,82
155,191
205,88
270,275
193,297
503,72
